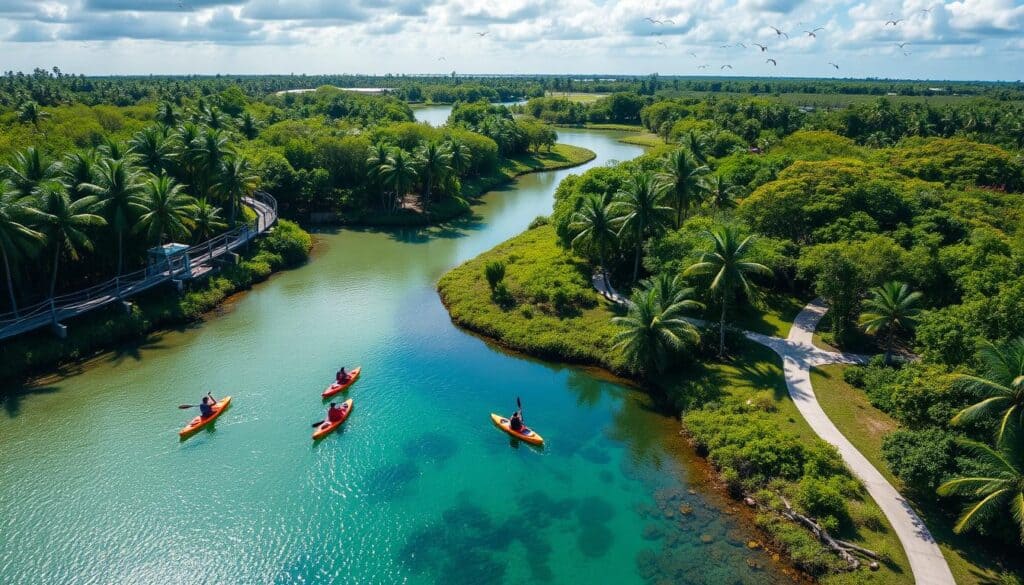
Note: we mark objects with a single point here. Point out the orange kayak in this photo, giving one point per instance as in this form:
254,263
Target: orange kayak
200,422
327,428
336,387
524,435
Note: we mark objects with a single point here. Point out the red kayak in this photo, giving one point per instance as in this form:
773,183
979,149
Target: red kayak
328,427
336,387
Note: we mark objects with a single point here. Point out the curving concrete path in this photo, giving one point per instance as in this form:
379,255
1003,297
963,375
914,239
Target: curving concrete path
799,355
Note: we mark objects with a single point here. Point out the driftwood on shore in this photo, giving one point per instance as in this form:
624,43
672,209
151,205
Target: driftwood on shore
842,548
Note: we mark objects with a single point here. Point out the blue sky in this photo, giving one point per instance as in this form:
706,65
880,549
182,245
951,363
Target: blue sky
965,39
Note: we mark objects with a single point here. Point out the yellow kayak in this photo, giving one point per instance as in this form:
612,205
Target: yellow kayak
524,435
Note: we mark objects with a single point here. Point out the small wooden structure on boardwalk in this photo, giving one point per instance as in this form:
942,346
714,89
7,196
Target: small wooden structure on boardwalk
198,261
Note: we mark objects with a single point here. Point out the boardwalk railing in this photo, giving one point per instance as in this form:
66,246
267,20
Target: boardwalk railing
201,260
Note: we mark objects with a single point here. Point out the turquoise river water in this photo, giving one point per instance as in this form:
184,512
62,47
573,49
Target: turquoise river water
417,486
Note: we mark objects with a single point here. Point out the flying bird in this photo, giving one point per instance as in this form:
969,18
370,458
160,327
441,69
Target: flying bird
652,20
927,10
772,61
741,45
778,32
907,53
702,66
726,67
724,46
441,59
893,22
692,54
481,34
903,44
812,33
668,21
762,47
662,43
834,65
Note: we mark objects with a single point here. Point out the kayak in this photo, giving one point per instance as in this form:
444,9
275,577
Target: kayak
327,428
200,422
336,387
524,435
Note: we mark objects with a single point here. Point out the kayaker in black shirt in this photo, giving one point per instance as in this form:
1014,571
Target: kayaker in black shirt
515,422
342,376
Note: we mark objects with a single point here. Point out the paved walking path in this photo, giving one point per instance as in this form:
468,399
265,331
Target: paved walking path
799,355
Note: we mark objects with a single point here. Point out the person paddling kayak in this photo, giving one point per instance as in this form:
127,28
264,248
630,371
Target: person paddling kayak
206,406
515,422
342,376
335,413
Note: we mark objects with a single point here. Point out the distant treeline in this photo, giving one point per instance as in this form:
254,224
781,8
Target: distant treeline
50,87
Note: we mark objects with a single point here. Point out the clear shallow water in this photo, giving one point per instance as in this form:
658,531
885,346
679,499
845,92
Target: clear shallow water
416,487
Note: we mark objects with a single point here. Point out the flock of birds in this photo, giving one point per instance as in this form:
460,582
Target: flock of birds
811,33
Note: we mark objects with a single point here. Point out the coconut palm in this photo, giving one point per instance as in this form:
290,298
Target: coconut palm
653,333
166,115
248,125
78,169
641,213
237,181
683,177
999,490
462,157
112,149
398,173
378,158
152,149
31,113
27,169
66,223
17,239
207,221
721,194
166,210
594,225
729,271
672,291
435,162
206,153
1001,384
697,144
892,307
117,184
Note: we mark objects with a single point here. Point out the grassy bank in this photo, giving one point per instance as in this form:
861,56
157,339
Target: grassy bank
866,427
285,247
546,307
561,156
648,139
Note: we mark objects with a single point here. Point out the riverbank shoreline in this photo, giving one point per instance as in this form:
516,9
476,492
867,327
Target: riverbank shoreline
38,355
561,156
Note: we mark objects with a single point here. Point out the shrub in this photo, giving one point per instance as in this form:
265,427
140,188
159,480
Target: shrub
922,459
823,500
540,220
289,242
494,271
502,297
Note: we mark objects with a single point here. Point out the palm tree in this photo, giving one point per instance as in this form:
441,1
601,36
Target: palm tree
28,169
166,115
237,181
594,225
697,145
683,178
1001,383
17,239
398,173
641,213
721,194
66,223
729,270
999,490
167,210
116,186
207,220
206,154
671,290
248,125
76,170
435,163
892,306
652,332
378,158
115,150
462,157
31,113
152,149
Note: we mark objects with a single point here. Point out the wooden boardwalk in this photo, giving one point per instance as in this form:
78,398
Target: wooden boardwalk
202,261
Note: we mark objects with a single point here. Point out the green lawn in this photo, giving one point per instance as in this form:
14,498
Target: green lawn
573,96
775,317
866,426
618,127
648,139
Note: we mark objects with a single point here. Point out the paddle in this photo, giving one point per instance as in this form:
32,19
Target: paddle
519,404
187,406
318,423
